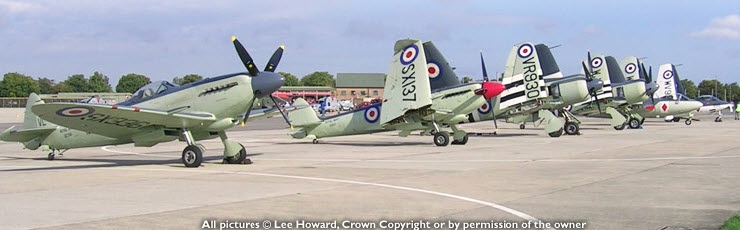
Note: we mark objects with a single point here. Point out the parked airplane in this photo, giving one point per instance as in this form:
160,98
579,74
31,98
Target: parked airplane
534,87
408,103
158,112
666,101
712,104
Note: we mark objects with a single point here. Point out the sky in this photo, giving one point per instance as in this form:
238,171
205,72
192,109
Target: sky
167,39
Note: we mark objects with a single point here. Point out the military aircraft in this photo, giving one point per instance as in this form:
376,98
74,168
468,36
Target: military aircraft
408,103
618,95
158,112
666,101
534,87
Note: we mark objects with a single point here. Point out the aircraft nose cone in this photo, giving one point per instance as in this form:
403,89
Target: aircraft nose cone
266,83
492,89
595,85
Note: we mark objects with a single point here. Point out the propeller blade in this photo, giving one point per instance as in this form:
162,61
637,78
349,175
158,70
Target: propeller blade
650,73
483,67
244,55
275,59
281,111
589,76
495,125
246,116
596,98
590,68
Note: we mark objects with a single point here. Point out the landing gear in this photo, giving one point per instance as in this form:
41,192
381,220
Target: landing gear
620,127
192,156
51,156
315,141
441,138
676,119
634,123
238,158
687,122
571,128
556,133
521,126
718,119
463,141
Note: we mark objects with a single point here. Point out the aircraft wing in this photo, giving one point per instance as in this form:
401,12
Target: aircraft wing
25,135
117,121
407,86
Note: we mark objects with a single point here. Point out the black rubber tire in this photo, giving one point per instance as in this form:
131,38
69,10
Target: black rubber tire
571,128
239,157
676,119
687,122
441,138
461,142
192,156
50,156
620,127
556,133
522,126
634,123
315,141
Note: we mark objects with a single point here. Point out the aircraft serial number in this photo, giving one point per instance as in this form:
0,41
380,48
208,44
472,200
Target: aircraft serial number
409,89
117,121
531,80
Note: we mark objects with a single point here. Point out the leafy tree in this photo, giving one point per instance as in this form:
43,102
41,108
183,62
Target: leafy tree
45,85
690,87
129,83
99,83
318,79
18,85
707,87
78,83
733,91
290,79
60,88
466,79
187,79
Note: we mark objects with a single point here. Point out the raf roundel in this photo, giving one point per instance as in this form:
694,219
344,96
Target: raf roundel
596,62
409,54
75,111
568,108
433,70
668,74
630,68
372,114
525,51
485,108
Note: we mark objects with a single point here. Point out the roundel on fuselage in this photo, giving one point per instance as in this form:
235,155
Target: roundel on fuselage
485,108
372,114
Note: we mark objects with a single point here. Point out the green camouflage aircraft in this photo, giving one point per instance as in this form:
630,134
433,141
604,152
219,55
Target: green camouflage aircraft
665,101
534,88
158,112
408,103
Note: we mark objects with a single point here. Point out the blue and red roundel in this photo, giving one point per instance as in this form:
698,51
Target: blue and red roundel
485,108
525,51
372,113
409,54
75,111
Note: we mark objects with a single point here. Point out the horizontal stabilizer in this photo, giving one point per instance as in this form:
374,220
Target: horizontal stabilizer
303,115
25,135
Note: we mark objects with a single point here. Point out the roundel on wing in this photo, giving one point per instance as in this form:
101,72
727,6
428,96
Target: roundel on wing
485,108
433,70
630,68
372,114
596,62
568,108
75,111
668,74
409,54
525,51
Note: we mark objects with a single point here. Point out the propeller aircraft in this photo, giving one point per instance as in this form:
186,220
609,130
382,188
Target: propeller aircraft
666,101
409,103
158,112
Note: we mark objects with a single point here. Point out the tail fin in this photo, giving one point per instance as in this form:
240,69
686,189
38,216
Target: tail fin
666,81
630,68
304,116
30,120
523,65
547,62
440,71
615,72
407,84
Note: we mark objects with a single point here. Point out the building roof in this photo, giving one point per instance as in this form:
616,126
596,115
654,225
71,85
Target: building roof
360,80
306,88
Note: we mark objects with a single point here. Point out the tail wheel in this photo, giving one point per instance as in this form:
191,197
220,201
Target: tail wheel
239,157
571,128
521,126
556,133
620,127
441,138
461,142
192,156
634,123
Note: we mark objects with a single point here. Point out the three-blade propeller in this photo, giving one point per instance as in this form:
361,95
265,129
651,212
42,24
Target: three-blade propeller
254,72
589,71
486,79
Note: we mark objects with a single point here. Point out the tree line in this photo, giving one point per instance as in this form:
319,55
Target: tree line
20,85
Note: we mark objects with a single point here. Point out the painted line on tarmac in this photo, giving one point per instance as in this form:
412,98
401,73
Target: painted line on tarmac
442,194
105,148
497,160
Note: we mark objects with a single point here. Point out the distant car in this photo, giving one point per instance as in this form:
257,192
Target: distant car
346,105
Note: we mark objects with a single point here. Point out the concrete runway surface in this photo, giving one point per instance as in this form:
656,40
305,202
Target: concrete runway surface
664,176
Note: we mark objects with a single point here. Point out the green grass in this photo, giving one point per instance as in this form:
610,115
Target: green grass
732,224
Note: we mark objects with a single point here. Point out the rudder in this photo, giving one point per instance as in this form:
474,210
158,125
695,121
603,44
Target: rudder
30,120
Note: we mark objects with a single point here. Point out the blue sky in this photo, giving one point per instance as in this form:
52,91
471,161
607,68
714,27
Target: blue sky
166,39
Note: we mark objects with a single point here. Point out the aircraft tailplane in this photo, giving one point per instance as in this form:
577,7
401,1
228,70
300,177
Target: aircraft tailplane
304,116
30,120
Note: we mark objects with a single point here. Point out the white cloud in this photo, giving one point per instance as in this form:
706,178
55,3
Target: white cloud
13,7
727,27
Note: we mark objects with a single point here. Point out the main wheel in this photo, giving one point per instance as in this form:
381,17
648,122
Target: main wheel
239,157
441,138
192,156
521,126
50,156
676,119
461,142
315,141
556,133
620,127
634,123
687,122
571,128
